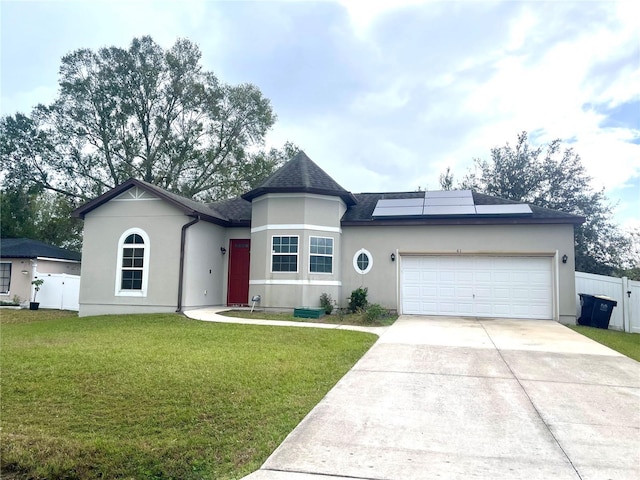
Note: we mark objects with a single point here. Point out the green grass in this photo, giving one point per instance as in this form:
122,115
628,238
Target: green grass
626,343
334,318
157,396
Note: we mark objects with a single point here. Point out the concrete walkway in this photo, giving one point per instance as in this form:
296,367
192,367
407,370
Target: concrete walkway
212,314
455,398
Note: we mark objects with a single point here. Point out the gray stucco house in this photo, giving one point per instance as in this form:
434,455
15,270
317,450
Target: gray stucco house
22,260
300,234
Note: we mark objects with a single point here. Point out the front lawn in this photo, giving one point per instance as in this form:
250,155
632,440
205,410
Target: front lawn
626,343
157,396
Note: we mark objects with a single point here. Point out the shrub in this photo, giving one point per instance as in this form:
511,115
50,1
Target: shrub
358,299
374,312
326,302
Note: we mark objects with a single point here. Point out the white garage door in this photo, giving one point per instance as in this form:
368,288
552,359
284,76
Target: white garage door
479,286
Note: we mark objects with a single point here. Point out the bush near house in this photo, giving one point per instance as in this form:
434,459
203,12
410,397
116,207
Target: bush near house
156,396
326,302
358,299
375,312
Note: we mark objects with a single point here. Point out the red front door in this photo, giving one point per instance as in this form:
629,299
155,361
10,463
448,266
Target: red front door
238,288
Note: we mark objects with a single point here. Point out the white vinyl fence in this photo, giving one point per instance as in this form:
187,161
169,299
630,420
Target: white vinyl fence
626,315
59,290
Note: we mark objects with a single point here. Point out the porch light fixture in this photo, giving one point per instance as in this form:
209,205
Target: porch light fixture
25,272
393,257
223,250
564,259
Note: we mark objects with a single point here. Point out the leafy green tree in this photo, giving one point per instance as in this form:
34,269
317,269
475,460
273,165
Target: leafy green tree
552,177
44,216
632,267
141,112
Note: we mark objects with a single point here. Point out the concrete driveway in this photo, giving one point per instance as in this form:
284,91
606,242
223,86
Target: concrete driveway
456,398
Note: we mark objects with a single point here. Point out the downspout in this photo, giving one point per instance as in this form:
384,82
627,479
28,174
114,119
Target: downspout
183,237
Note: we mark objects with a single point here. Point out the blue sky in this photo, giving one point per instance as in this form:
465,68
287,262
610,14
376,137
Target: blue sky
384,95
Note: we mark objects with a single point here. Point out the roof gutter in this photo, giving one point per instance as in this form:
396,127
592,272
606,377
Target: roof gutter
183,237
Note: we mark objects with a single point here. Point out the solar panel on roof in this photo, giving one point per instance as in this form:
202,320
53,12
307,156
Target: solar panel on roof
449,203
449,210
400,202
448,194
434,201
506,209
402,211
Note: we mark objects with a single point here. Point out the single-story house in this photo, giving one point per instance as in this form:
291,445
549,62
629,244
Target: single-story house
300,234
23,260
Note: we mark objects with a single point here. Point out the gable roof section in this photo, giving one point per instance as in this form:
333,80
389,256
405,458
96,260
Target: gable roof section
27,248
190,207
301,175
362,213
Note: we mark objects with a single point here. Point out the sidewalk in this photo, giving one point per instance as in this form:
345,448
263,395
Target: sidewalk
212,314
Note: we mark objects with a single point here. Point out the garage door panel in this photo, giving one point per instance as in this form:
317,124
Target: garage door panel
483,276
486,286
412,291
447,277
412,276
463,291
519,277
444,308
464,277
446,292
538,278
412,307
463,309
501,294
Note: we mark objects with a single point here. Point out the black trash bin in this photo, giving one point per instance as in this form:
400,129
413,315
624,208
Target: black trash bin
596,310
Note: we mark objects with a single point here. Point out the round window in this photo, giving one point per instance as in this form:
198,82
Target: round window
362,261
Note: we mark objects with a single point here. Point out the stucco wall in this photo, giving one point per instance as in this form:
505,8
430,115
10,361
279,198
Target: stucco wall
55,266
103,228
302,215
204,265
382,279
21,283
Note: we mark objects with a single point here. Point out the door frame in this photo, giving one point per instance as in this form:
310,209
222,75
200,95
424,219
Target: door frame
230,267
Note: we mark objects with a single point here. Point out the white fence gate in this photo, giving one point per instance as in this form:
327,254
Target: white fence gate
626,315
59,290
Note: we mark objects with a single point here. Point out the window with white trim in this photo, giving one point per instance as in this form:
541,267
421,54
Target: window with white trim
5,277
284,253
133,263
320,255
362,261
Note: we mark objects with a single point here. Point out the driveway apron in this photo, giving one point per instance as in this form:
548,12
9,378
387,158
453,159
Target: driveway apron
459,398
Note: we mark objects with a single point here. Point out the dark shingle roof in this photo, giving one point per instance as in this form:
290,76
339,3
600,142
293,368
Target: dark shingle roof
236,210
27,248
301,175
188,206
362,213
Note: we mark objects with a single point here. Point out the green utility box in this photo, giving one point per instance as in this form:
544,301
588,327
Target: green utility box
308,312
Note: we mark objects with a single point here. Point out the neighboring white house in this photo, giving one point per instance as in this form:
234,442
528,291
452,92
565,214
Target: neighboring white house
23,260
300,234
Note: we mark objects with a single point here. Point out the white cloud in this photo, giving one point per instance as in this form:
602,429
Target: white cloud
385,94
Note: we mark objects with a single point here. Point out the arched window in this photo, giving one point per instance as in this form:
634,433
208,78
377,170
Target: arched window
133,263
